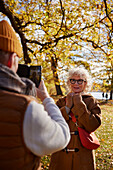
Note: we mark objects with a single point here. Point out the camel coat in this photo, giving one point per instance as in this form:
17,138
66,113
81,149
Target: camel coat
88,115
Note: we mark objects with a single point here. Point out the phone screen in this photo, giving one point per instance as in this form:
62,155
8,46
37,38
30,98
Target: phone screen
31,72
35,74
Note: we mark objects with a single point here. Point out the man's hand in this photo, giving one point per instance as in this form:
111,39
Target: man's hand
42,91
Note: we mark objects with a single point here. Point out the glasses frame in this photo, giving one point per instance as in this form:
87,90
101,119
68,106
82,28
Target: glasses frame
79,81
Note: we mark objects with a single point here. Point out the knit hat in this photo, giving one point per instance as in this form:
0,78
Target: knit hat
8,39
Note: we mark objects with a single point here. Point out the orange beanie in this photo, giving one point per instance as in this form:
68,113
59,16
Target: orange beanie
8,39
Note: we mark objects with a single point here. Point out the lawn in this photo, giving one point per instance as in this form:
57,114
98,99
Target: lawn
104,154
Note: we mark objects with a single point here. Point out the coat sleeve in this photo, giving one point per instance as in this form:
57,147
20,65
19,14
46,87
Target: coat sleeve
61,104
89,116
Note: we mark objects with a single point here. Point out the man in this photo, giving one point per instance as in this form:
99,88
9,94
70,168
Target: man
28,129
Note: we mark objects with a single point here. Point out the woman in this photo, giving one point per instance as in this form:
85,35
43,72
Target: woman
88,115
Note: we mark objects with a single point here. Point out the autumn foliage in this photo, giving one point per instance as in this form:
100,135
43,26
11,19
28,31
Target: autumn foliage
63,34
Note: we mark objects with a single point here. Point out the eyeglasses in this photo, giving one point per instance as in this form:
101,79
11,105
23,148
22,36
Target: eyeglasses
79,81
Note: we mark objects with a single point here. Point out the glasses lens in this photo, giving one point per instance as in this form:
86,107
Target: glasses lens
80,81
72,81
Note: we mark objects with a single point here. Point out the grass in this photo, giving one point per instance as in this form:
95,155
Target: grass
104,154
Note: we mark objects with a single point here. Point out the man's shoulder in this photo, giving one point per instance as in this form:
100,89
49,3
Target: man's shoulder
16,96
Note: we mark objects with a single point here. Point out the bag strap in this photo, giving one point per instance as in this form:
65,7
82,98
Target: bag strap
72,117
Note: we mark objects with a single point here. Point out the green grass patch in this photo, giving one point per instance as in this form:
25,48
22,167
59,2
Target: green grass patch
104,154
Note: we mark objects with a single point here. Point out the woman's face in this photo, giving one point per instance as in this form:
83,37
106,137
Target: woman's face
77,84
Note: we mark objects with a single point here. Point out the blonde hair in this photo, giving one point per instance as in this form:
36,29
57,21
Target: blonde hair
83,73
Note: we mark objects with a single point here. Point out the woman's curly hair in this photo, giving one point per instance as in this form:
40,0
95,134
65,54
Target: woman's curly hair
84,74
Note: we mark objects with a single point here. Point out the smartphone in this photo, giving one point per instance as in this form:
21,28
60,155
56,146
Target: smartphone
35,74
31,72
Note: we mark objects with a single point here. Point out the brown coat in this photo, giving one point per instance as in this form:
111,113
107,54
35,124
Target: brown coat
88,116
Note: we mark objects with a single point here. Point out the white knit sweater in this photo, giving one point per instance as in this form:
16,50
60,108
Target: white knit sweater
45,130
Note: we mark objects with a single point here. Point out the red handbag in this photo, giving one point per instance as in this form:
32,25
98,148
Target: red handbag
88,140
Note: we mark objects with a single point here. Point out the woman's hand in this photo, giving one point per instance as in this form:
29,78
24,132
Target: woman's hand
77,100
69,100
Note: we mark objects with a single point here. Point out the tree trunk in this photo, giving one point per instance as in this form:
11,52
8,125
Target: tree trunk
58,90
55,75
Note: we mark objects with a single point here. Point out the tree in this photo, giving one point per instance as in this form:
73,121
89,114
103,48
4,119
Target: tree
57,31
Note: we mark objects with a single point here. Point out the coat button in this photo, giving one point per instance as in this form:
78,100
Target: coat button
76,149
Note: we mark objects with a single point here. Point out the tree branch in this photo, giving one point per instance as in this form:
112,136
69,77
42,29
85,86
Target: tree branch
63,15
107,13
